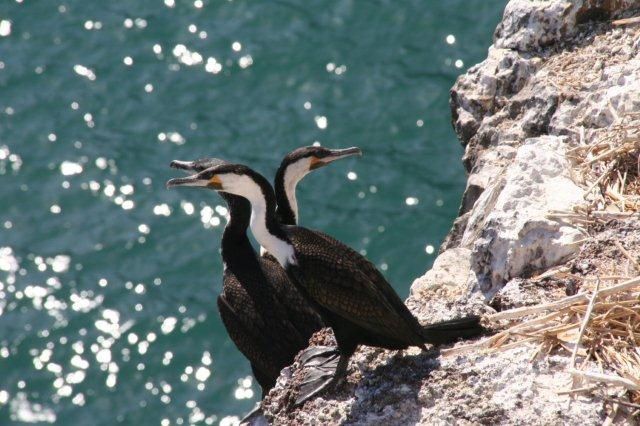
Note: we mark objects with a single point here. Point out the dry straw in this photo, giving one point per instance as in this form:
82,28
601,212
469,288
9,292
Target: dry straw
600,331
609,167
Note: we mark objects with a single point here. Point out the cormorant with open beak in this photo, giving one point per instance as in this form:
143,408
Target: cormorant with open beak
347,290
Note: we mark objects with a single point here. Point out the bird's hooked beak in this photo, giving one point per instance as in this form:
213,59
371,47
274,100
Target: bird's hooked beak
335,154
199,180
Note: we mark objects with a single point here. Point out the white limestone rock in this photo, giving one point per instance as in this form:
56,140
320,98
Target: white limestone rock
533,24
515,237
450,273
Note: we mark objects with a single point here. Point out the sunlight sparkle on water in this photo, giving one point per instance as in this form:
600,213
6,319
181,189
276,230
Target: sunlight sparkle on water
79,362
168,325
92,25
244,391
83,71
208,218
22,410
411,201
245,61
173,137
230,421
101,163
15,161
59,263
78,400
5,28
213,66
126,189
69,168
162,210
188,207
221,210
321,121
202,374
186,56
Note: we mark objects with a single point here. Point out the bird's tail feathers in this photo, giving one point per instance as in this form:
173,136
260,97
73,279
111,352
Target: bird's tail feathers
452,330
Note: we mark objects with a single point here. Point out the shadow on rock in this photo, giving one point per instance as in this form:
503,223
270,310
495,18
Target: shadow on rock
390,390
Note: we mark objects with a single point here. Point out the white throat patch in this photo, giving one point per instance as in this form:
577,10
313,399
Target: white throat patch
280,249
245,187
292,175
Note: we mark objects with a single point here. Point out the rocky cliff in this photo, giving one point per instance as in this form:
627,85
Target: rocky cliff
550,122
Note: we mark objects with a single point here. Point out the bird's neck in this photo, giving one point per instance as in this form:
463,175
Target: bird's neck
287,179
268,231
235,243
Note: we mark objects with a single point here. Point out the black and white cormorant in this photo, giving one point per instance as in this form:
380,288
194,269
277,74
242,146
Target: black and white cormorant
264,314
351,295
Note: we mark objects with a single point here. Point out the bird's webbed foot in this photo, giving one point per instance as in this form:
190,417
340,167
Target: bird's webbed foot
318,355
323,369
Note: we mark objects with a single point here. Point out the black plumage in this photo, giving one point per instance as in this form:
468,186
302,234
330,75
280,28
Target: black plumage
265,316
355,299
350,294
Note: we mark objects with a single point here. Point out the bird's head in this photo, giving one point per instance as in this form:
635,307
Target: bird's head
301,161
235,179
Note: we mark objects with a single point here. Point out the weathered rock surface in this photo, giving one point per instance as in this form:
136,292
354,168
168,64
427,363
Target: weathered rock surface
416,387
557,72
449,270
508,230
553,78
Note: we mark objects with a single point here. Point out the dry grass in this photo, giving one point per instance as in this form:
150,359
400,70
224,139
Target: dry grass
599,330
579,67
609,167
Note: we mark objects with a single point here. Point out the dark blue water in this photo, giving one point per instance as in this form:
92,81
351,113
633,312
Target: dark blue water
107,280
